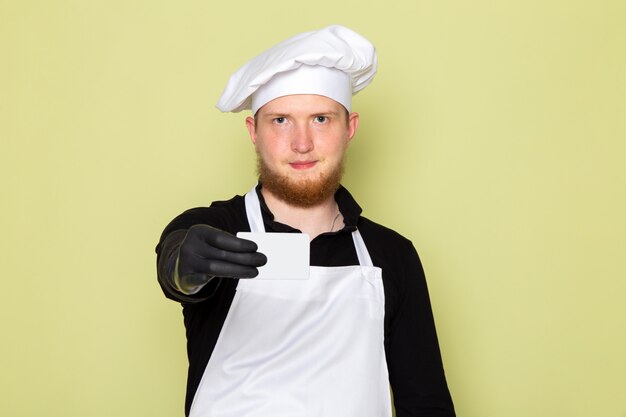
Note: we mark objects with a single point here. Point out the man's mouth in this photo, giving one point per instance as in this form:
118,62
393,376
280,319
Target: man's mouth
302,164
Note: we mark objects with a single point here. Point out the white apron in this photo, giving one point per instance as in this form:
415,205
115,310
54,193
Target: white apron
295,348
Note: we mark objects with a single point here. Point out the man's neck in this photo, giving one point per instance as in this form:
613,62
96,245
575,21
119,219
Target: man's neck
313,220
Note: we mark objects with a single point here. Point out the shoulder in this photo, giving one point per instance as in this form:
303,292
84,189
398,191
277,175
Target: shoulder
383,240
394,254
228,215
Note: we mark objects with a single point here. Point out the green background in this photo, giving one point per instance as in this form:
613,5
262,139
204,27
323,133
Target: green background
493,136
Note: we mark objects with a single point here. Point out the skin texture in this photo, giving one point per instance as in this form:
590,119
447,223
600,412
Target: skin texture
301,142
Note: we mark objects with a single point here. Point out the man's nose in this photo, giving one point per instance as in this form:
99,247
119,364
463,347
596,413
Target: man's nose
302,141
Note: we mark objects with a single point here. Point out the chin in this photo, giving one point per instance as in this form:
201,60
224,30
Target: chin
308,190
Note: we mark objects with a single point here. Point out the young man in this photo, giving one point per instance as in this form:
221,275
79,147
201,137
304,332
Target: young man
330,344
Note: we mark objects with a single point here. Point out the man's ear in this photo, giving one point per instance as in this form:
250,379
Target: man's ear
251,125
353,124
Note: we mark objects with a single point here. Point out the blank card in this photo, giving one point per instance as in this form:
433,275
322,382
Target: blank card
287,254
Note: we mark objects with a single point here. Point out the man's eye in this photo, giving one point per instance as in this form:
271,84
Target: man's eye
279,120
321,119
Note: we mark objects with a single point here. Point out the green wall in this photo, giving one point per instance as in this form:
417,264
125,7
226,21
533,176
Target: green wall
494,137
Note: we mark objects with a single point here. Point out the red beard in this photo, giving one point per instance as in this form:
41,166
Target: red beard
303,193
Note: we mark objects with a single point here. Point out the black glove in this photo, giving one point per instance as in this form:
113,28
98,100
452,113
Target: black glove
207,252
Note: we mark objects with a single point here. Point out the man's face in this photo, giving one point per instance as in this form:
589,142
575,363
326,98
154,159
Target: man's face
300,142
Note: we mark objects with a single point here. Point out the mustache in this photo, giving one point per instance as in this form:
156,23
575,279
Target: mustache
301,192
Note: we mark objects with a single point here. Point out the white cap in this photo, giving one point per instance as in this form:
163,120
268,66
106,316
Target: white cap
335,62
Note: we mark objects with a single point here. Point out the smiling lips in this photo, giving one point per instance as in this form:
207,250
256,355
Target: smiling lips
302,164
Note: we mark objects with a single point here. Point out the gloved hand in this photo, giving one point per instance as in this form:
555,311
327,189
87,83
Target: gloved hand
207,252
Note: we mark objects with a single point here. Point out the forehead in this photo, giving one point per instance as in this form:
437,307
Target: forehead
301,104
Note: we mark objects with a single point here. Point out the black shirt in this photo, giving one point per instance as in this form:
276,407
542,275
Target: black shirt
413,359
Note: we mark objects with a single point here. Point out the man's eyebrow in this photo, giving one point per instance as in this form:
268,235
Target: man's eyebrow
329,112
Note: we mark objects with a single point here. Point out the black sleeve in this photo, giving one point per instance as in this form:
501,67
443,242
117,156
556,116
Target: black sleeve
224,215
415,366
167,252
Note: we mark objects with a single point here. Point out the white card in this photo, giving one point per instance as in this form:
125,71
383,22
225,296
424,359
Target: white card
287,254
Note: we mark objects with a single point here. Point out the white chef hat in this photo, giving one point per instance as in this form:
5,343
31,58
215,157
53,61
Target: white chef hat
335,62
